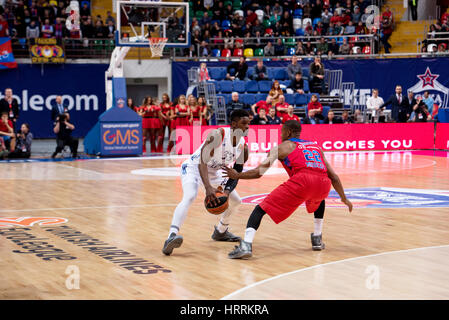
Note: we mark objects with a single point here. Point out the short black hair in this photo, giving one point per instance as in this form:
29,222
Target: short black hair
293,125
239,113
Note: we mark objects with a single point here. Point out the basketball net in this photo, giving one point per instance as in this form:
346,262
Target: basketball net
157,46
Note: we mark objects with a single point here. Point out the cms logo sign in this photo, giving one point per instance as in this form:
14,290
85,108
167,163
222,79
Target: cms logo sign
121,137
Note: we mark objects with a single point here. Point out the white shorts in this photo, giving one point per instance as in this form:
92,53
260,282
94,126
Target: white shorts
191,174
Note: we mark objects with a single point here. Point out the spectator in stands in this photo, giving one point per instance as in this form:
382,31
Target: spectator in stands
60,29
10,106
314,104
413,4
309,48
268,50
356,15
331,118
267,104
47,29
237,70
357,117
345,48
345,118
7,132
279,48
400,111
316,74
290,115
333,47
260,71
293,68
311,119
24,140
109,17
203,73
297,84
63,129
32,30
387,30
373,104
100,31
110,29
275,92
273,119
204,49
281,106
260,118
4,28
326,18
235,104
85,12
350,28
58,108
300,51
322,47
428,100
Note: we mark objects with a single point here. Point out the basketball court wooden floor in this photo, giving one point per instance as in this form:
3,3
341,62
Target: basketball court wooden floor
94,229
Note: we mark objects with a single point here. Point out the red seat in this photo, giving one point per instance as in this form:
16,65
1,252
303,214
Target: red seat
238,52
226,53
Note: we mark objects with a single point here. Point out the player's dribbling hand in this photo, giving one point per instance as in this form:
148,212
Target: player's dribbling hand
211,197
348,203
230,173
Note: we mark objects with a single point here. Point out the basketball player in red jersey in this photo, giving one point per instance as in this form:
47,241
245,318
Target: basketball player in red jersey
310,181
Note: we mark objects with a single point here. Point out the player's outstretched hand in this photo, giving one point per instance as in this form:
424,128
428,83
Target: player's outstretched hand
348,203
230,173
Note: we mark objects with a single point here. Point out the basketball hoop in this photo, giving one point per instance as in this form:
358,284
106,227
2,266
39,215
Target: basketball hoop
157,46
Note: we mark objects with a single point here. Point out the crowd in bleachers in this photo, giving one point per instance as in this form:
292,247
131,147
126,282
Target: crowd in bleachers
236,28
437,39
26,19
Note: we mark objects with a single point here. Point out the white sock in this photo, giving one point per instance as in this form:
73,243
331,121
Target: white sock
222,227
317,226
173,229
249,235
190,191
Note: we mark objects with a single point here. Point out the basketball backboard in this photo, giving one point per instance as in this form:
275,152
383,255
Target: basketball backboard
139,20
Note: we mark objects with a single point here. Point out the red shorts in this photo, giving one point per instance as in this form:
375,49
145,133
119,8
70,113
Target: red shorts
305,186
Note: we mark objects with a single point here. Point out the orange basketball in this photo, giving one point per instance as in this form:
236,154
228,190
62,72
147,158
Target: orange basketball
222,205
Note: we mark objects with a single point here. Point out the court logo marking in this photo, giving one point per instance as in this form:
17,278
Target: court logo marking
380,198
30,221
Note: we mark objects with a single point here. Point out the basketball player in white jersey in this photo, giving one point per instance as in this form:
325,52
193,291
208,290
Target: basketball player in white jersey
223,146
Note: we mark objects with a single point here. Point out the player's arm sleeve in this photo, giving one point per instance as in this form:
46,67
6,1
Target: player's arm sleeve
238,166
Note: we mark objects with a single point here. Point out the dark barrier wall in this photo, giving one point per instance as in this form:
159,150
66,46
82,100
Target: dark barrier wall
417,75
80,85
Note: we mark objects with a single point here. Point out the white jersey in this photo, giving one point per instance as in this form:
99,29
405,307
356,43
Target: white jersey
224,155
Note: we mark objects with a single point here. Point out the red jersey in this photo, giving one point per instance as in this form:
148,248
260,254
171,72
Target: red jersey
263,105
307,155
286,117
282,105
315,105
3,126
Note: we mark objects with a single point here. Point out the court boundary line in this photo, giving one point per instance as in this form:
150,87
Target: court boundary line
227,297
93,207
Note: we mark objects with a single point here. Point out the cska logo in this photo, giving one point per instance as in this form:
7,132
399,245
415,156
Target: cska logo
30,221
428,82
